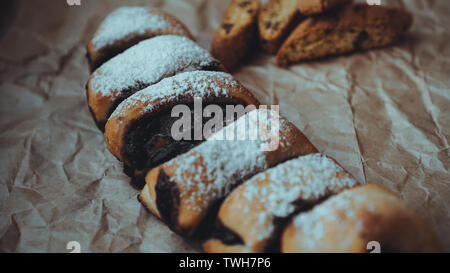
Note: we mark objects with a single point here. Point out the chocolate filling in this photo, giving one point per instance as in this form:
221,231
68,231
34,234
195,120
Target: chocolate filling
126,93
128,170
227,28
206,228
149,143
229,237
168,203
280,223
362,36
167,199
226,235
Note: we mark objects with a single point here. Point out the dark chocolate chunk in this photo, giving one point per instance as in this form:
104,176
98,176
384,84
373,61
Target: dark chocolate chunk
227,27
362,36
276,25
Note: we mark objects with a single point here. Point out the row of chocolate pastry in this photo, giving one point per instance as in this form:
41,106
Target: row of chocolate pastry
289,198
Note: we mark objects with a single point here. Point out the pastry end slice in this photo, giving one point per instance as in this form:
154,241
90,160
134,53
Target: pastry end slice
236,34
276,19
352,28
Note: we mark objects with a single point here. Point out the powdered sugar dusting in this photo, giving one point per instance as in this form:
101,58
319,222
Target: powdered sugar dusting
147,63
335,211
308,179
211,170
195,84
126,21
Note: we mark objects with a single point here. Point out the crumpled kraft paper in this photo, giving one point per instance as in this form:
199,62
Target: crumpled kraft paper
384,115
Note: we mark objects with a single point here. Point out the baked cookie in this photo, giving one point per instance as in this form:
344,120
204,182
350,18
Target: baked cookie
183,191
267,201
276,20
237,33
140,66
310,7
127,26
139,132
349,221
352,28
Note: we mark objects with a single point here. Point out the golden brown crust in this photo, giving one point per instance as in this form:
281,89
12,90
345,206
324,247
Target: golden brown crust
98,55
99,105
349,221
193,200
310,7
147,197
137,107
295,185
276,19
236,34
354,27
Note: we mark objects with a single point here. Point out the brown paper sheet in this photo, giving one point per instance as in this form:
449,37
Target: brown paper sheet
385,115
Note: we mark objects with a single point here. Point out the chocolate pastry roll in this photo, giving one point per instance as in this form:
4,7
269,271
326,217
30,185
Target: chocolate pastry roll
183,191
127,26
140,66
253,215
139,132
363,219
